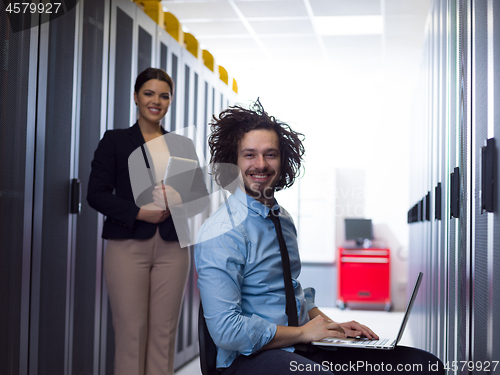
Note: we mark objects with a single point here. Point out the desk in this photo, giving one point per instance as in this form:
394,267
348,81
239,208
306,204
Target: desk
364,276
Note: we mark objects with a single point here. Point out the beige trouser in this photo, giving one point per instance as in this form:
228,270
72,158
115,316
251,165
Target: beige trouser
145,281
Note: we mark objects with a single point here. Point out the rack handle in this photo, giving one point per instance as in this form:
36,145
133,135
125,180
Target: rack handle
455,193
488,179
437,202
76,197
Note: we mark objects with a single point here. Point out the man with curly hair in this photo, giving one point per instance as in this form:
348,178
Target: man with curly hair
259,316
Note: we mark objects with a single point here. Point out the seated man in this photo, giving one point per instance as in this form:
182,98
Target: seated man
247,259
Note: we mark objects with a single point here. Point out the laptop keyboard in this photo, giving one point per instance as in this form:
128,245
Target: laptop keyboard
374,343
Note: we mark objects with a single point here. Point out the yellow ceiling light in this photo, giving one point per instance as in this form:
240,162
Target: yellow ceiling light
235,86
192,45
174,27
223,75
208,60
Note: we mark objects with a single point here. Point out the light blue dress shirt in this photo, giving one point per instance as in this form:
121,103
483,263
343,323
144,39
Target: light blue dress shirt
240,276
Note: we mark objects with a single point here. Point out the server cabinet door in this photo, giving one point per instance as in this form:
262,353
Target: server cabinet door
163,60
53,229
145,41
480,83
121,114
17,155
208,80
464,162
494,232
174,69
206,113
439,173
89,332
187,343
485,250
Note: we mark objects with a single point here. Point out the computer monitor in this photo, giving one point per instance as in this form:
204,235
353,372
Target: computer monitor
358,230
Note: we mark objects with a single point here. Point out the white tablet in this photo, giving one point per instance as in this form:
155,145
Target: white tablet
180,173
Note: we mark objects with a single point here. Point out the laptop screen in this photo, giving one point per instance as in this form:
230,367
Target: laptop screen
410,306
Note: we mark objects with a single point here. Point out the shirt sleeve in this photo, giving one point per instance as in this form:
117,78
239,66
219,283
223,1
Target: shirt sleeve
309,295
220,264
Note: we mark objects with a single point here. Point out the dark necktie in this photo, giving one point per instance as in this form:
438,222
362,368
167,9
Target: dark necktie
291,307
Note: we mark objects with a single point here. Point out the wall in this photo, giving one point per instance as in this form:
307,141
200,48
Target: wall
353,117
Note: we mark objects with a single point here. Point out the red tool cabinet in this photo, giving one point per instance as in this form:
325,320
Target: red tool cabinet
364,275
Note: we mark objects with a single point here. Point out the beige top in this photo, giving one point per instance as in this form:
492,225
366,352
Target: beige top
158,151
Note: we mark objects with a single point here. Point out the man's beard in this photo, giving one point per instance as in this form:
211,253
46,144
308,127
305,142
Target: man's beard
268,192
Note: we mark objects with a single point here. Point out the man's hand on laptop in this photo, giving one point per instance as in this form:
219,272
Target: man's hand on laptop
355,329
320,327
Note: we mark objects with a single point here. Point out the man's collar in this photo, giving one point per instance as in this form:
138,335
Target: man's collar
253,204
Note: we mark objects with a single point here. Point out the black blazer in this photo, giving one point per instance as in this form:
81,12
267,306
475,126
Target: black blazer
110,191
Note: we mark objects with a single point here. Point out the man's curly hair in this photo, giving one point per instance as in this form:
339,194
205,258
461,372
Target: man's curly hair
233,124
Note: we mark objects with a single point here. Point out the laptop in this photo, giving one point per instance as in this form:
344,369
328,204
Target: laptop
386,344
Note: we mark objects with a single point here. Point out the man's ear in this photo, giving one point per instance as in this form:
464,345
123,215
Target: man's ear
135,98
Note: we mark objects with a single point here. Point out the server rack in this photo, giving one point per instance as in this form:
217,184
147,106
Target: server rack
65,82
458,245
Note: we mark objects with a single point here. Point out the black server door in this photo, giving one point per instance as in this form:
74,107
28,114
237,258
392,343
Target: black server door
53,247
17,126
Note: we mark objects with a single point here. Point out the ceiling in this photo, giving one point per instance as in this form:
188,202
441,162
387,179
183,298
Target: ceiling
242,33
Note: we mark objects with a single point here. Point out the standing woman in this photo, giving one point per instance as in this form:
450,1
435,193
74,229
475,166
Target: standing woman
145,267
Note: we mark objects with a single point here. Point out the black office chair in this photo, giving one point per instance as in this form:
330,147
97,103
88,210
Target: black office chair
208,350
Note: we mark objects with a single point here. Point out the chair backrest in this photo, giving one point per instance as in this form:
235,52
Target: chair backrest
208,350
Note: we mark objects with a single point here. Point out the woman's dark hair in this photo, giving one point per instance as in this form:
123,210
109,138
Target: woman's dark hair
233,124
153,73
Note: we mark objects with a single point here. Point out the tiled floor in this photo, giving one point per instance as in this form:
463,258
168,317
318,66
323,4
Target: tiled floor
385,324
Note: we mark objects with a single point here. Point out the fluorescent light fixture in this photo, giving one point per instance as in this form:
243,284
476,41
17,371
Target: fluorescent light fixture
349,25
